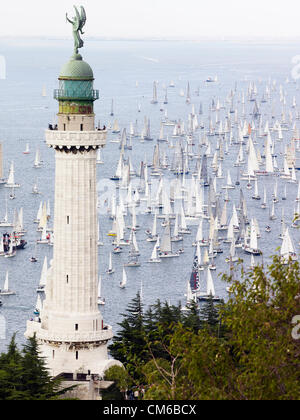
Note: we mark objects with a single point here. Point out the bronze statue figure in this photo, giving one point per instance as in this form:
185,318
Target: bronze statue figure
78,23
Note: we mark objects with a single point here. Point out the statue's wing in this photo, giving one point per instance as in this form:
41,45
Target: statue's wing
83,18
77,20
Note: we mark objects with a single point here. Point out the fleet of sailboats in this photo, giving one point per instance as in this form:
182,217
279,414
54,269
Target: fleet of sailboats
203,182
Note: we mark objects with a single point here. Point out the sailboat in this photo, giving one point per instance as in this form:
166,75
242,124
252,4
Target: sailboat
119,170
37,160
154,99
133,261
210,290
27,150
264,203
101,300
116,128
43,278
166,245
154,258
124,279
176,237
110,269
272,212
287,250
11,178
256,196
252,248
152,235
6,290
35,189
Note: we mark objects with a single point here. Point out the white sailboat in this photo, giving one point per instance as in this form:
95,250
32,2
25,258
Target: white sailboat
110,269
154,258
252,248
6,290
11,178
35,189
166,245
27,149
43,279
152,235
210,290
101,300
116,128
37,161
124,279
287,250
154,99
5,222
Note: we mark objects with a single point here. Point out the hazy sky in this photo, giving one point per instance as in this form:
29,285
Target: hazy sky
162,18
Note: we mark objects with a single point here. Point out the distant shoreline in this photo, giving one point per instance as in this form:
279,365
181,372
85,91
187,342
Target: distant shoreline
257,40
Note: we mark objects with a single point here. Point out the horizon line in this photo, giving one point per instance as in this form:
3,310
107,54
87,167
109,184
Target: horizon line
160,38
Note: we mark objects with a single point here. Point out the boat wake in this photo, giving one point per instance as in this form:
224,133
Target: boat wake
154,60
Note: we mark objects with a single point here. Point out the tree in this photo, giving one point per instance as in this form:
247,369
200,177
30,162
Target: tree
10,373
257,358
258,315
24,376
121,377
129,344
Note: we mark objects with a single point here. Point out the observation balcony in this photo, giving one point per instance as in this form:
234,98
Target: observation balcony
78,139
76,95
34,327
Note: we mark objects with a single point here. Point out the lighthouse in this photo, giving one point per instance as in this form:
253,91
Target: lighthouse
70,330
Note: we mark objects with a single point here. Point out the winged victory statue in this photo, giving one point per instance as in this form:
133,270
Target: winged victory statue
78,23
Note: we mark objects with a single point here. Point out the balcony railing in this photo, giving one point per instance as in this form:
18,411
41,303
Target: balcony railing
36,327
91,95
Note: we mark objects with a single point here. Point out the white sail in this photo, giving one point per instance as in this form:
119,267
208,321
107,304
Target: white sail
11,175
287,247
154,252
134,242
6,285
43,279
253,236
210,284
124,279
166,245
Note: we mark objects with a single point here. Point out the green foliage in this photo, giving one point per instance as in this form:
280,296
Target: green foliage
120,377
24,376
239,350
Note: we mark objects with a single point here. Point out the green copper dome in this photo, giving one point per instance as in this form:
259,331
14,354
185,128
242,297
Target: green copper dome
76,69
